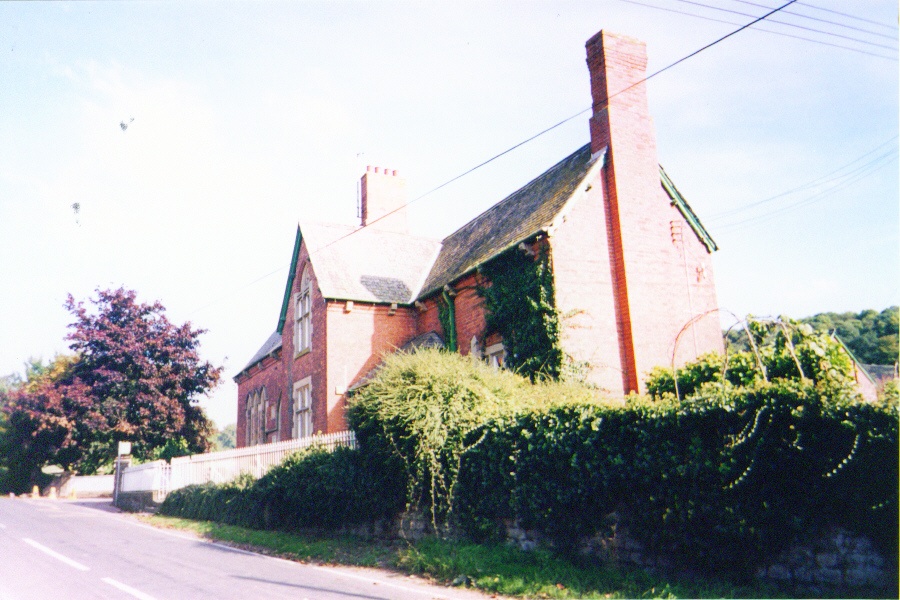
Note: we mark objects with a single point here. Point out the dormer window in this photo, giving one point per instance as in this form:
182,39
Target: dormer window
302,324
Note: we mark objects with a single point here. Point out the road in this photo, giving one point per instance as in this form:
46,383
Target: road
61,550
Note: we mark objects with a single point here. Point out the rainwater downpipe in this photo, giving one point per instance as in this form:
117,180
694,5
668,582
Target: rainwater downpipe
451,319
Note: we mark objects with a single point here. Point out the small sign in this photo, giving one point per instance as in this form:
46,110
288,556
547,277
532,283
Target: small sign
124,448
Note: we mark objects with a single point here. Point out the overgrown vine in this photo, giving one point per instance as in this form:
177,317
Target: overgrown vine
519,302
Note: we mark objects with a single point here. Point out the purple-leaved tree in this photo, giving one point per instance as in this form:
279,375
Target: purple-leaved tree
135,377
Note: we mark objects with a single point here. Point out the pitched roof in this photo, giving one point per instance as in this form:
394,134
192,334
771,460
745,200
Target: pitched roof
269,347
369,266
514,219
372,265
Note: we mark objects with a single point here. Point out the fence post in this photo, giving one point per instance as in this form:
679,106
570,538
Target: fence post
122,463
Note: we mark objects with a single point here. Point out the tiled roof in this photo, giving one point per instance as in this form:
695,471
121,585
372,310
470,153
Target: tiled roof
369,266
519,216
271,345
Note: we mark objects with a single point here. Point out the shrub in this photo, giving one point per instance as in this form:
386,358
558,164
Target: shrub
328,490
720,483
418,409
313,488
783,350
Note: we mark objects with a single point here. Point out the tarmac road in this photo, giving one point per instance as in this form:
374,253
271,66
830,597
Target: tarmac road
61,550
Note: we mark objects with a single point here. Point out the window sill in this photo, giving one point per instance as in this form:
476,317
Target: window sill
302,352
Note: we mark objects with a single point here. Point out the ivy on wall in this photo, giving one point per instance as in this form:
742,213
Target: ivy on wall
519,302
447,318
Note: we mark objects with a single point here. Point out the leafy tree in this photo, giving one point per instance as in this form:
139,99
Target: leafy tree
24,449
224,439
135,377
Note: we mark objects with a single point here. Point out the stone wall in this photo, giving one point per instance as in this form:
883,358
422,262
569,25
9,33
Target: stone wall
832,560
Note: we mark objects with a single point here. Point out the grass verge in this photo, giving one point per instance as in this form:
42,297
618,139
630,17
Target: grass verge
494,569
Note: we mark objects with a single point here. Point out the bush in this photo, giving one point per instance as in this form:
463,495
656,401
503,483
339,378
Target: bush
416,413
313,488
720,484
329,490
783,350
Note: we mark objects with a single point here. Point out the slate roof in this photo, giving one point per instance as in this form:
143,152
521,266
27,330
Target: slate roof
385,267
370,265
512,220
271,345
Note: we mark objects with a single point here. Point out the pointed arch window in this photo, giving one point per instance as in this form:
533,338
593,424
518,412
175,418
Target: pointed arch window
302,315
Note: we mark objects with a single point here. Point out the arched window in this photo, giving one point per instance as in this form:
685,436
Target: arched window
263,416
302,320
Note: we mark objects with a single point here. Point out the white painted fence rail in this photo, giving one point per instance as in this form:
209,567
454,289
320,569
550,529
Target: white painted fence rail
219,467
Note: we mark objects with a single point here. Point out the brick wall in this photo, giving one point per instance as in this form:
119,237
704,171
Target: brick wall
660,285
581,257
358,338
469,312
268,374
311,363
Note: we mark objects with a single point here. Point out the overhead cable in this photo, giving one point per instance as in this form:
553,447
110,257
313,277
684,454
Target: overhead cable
762,29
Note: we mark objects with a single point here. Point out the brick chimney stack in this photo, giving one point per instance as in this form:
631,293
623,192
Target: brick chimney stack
383,191
654,295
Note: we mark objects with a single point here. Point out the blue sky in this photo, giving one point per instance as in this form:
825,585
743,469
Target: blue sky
250,115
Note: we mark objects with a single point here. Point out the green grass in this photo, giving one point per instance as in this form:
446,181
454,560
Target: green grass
493,569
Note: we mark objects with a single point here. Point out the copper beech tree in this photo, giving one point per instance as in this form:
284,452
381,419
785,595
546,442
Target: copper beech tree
135,377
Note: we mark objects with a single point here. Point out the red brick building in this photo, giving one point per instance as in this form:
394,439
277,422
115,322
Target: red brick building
630,263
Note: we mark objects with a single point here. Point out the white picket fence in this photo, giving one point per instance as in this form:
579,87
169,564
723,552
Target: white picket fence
218,467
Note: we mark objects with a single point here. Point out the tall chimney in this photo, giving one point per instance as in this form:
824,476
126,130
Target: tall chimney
383,200
653,292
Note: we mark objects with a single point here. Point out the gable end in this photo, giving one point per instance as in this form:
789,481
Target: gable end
290,281
685,209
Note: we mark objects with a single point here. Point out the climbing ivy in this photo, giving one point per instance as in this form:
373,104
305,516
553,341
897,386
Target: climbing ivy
447,318
519,301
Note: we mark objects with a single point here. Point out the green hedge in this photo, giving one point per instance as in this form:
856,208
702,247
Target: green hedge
310,489
720,484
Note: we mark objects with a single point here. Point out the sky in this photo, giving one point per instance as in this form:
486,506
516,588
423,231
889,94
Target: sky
244,117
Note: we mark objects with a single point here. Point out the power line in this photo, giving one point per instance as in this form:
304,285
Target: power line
773,32
786,24
866,171
523,142
811,18
849,16
822,180
566,120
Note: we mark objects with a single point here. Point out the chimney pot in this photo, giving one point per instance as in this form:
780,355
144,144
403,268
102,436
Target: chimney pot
394,172
378,169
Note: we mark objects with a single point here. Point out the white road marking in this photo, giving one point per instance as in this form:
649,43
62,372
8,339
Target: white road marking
127,589
56,555
435,592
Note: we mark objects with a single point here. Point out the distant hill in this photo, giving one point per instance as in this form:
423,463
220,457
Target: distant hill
872,336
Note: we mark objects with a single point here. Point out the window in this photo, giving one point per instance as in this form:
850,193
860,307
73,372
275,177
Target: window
496,355
302,321
303,424
248,426
253,419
